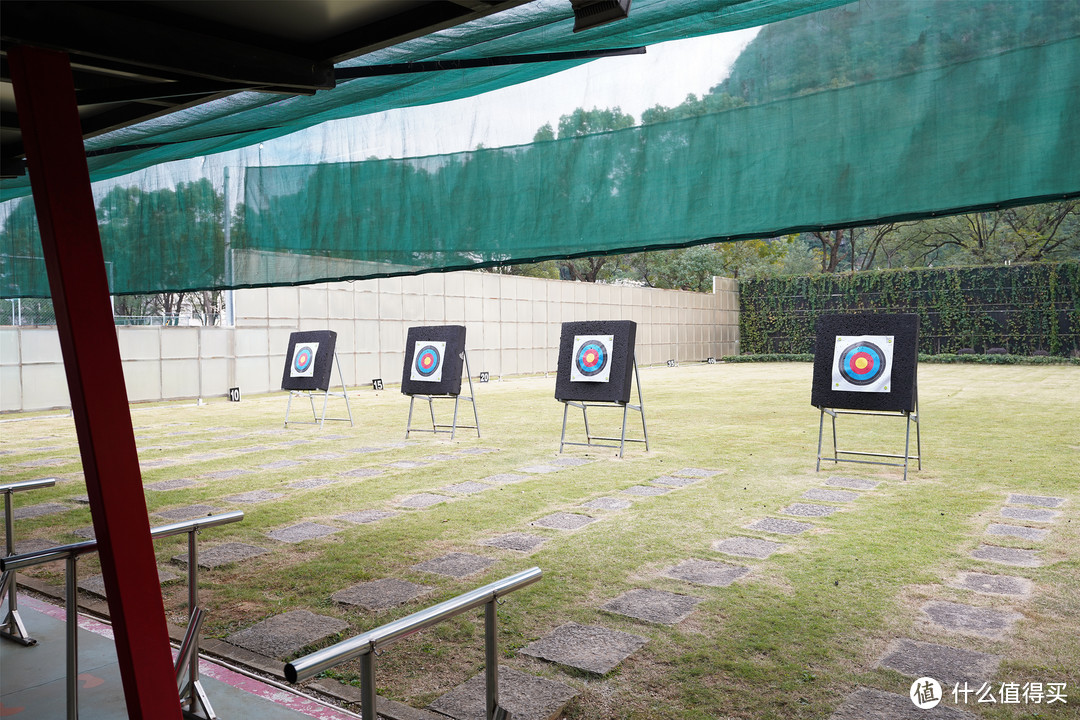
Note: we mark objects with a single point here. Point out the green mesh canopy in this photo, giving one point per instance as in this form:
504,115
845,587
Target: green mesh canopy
846,116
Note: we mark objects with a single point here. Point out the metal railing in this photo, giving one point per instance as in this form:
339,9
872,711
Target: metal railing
13,628
365,645
192,695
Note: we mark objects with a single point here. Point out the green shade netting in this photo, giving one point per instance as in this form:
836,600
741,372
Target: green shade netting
851,115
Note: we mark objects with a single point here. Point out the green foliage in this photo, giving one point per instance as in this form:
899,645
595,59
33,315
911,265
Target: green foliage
1023,308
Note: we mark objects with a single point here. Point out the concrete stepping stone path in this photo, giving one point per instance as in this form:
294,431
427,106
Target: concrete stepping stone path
214,556
364,472
279,465
571,461
254,496
363,517
95,584
674,482
455,565
176,484
286,634
750,547
407,464
645,490
521,542
467,488
1007,556
993,584
563,521
852,483
870,704
697,472
1039,500
654,606
504,478
841,496
808,510
380,594
188,512
309,483
780,526
525,696
540,469
319,457
957,617
947,665
422,500
1017,531
301,532
706,572
590,648
1029,514
225,474
39,510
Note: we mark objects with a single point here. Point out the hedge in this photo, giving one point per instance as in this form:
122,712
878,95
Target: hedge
1022,309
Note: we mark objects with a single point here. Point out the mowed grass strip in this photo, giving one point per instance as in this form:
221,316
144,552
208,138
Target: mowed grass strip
789,640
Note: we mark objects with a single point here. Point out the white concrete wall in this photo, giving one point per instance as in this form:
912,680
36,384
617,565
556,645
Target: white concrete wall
512,328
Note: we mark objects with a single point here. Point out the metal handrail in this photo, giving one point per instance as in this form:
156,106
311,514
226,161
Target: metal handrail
13,628
190,687
365,645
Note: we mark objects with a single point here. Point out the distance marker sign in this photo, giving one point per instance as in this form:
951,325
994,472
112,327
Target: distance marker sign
863,363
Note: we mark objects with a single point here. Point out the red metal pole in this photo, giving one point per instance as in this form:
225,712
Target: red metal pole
52,137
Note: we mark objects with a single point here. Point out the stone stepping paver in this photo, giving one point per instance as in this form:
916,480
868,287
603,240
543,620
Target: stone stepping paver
993,584
706,572
86,533
467,488
214,556
504,478
675,482
985,622
808,510
853,483
309,483
35,545
225,474
590,648
1029,514
365,450
747,547
422,500
362,517
645,490
782,527
525,696
655,606
947,665
870,704
606,503
831,495
1018,531
188,512
163,462
540,469
406,464
455,565
364,472
571,461
380,594
477,451
95,584
81,499
563,521
301,531
439,457
1007,556
697,472
522,542
33,511
177,484
254,496
199,457
286,634
1040,500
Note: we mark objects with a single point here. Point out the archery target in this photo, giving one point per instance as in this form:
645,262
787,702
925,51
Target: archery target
591,361
427,364
303,360
863,363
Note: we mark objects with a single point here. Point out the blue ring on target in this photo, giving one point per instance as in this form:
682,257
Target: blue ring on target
428,360
592,358
849,363
303,359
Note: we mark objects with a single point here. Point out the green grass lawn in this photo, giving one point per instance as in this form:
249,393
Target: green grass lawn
789,640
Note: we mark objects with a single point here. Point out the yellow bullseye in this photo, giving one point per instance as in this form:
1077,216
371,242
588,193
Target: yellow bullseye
861,363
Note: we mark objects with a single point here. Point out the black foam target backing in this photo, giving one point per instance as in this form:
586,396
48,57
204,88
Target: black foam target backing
596,360
901,362
439,362
309,360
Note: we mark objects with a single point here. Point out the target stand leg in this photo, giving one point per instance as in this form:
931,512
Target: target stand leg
562,438
408,423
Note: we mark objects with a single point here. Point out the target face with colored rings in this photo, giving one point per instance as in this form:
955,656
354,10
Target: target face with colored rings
303,362
591,361
428,361
863,363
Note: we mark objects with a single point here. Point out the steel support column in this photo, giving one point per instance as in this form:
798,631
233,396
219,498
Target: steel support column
60,179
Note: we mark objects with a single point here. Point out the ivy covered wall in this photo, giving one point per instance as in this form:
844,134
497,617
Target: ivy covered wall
1022,308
